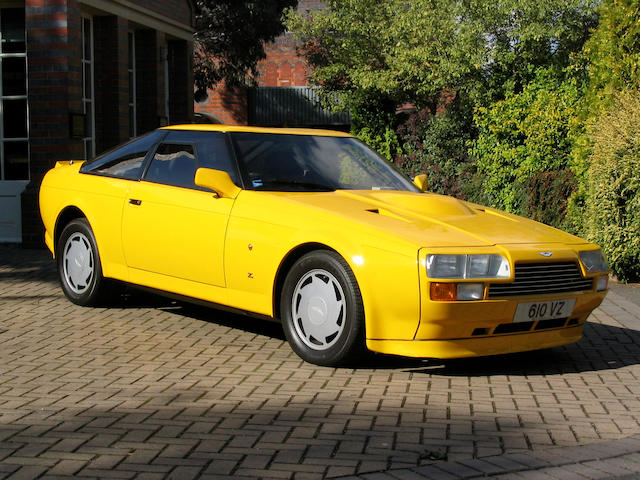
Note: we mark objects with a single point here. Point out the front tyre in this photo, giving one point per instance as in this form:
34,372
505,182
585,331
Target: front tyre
322,312
79,267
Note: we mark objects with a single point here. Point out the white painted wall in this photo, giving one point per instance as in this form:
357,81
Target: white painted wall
11,210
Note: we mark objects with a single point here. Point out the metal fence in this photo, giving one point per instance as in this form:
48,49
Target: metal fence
292,107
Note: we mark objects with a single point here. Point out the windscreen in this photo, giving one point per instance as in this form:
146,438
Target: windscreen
287,162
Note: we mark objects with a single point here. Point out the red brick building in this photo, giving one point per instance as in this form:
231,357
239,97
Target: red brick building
282,97
78,77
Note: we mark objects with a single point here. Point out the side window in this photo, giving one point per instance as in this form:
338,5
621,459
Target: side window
213,152
173,164
125,161
211,149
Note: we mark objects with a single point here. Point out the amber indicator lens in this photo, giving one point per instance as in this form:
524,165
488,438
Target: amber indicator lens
444,292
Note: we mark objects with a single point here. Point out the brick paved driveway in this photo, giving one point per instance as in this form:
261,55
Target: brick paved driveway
151,388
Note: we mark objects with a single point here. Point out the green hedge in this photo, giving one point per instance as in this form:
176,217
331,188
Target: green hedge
523,136
613,195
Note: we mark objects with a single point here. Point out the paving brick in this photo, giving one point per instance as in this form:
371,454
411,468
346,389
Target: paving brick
152,387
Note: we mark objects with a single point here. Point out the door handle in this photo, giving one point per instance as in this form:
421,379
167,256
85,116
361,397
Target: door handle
133,201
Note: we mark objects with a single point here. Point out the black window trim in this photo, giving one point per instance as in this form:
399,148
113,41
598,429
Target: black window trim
233,159
145,162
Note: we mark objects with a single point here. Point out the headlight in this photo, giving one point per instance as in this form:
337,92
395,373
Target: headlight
594,261
467,266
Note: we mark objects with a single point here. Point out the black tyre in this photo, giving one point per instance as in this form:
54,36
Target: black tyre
321,310
79,267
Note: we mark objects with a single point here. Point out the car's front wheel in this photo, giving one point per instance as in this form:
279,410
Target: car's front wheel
79,266
321,309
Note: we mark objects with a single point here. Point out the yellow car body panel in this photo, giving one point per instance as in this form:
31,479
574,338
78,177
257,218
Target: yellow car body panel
231,251
176,232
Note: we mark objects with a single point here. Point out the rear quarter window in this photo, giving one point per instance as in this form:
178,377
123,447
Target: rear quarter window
125,161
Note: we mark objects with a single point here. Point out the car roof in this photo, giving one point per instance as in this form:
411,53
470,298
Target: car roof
242,128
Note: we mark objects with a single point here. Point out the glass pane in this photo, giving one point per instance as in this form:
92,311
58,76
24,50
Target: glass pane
14,76
173,165
15,118
86,33
87,81
309,162
12,27
138,146
16,161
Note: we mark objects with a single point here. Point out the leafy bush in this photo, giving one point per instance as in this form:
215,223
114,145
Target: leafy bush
613,195
524,135
438,146
371,123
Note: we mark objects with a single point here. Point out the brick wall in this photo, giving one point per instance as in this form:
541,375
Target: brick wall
283,67
228,105
55,89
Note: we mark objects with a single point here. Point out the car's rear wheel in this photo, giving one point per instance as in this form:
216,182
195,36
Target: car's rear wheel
79,266
321,309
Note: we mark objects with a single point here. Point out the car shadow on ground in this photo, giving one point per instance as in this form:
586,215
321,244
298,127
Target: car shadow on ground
34,265
602,347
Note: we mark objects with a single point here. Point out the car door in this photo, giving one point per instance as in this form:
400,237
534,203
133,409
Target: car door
171,227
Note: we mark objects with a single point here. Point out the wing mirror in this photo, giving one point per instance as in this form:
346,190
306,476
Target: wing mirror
421,181
218,181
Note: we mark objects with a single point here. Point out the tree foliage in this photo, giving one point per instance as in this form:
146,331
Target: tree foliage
614,52
230,37
524,36
404,51
412,51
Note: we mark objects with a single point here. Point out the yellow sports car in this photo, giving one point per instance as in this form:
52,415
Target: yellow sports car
312,228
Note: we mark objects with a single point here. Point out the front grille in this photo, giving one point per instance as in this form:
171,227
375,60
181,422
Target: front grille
541,278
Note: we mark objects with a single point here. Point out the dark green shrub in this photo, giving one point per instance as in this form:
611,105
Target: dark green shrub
613,187
438,146
543,196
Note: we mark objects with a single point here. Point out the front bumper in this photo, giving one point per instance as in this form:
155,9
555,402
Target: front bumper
478,346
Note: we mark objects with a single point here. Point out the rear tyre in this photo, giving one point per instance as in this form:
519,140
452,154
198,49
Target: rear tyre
79,267
322,312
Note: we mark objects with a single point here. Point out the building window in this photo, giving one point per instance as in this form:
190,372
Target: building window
14,131
132,85
87,87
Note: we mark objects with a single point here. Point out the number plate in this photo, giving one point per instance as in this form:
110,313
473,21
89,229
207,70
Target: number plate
531,311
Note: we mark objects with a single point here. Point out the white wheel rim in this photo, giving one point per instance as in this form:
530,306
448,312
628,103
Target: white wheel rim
319,309
78,263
